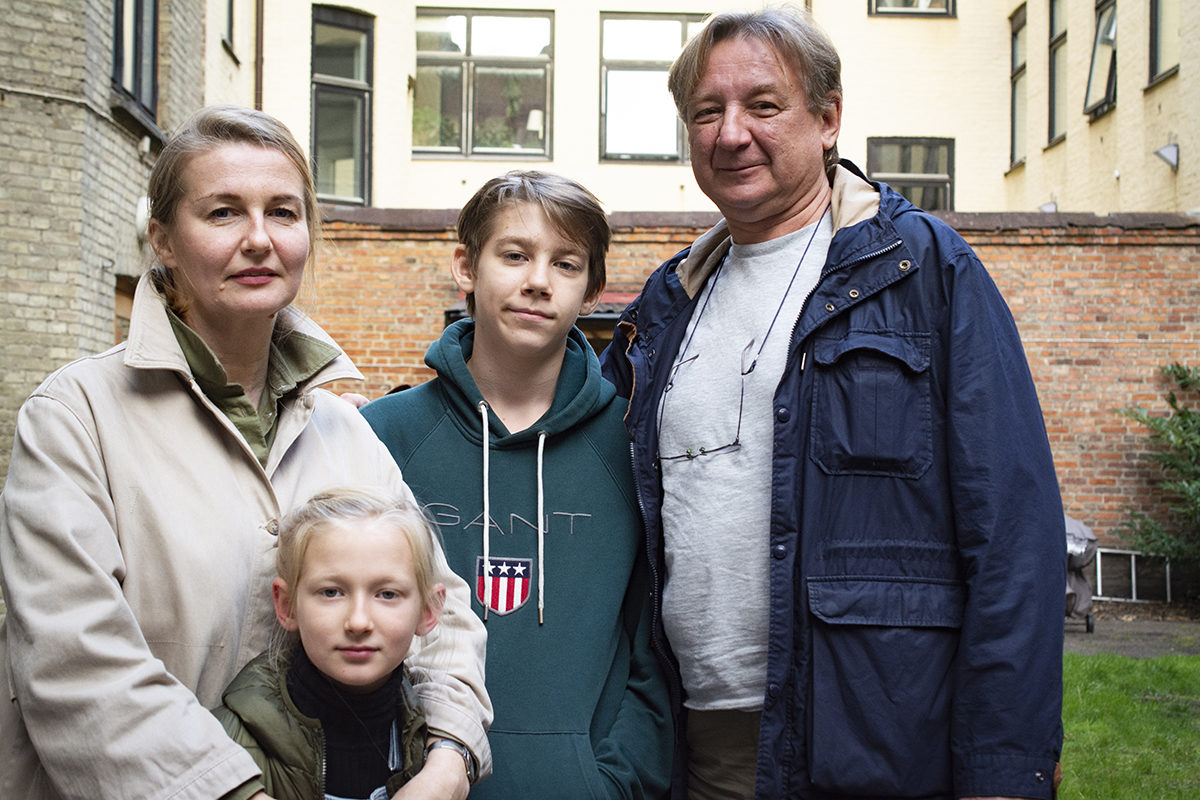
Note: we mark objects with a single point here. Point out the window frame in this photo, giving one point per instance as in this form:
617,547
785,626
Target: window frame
1157,72
1108,101
1056,129
136,103
227,33
1018,107
682,154
323,84
469,66
874,10
922,179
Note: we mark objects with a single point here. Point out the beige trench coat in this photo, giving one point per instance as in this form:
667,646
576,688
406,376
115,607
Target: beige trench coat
136,554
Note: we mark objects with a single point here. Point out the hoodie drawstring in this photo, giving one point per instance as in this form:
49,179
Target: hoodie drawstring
541,565
487,512
487,518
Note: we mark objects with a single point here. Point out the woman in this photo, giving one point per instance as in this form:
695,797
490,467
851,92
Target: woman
138,520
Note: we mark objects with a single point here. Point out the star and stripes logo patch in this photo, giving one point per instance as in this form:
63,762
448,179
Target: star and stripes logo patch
508,582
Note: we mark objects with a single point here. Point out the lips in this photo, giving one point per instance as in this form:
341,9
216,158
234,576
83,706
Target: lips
357,653
530,313
254,277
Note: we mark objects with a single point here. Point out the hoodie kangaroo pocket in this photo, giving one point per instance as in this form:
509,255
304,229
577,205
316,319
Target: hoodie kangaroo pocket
871,404
548,766
882,685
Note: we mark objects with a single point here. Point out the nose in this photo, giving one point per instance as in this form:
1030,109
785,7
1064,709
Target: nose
733,131
358,617
537,276
257,239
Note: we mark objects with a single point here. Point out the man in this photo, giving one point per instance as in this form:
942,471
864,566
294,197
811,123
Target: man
848,489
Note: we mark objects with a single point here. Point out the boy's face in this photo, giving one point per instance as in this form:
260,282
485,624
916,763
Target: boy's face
530,284
356,604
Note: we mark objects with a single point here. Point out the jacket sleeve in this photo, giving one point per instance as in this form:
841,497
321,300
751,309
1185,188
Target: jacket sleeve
635,756
100,710
447,666
1006,722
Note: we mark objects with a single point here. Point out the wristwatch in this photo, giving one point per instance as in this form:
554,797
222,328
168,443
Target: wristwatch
462,750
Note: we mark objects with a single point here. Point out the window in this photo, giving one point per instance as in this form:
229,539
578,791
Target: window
341,104
920,169
1058,72
1018,102
943,8
637,115
1164,38
135,59
483,83
227,32
1102,76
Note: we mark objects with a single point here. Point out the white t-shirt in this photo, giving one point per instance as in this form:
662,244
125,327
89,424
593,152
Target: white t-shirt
716,507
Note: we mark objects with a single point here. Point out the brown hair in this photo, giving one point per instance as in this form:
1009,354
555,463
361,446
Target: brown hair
571,208
787,30
209,128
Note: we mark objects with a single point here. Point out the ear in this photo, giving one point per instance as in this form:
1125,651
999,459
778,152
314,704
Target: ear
284,610
462,270
160,240
592,301
831,120
433,611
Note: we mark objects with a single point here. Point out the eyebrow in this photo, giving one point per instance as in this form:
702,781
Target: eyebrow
225,197
529,241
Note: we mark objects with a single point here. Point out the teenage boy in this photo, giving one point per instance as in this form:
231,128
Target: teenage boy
518,451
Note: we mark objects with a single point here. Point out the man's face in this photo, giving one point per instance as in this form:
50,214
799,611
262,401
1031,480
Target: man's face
757,151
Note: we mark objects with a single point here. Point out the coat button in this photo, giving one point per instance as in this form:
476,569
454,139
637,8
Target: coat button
1039,776
904,265
853,294
782,414
779,551
830,306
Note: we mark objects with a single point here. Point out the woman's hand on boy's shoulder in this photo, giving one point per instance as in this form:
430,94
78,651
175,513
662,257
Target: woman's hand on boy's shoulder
442,778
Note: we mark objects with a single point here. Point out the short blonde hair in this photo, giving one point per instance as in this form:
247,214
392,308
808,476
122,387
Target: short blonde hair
341,506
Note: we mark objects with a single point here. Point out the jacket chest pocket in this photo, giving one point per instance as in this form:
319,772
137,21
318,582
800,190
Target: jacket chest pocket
871,404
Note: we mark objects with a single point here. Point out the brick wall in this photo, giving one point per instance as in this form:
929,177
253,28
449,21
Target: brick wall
1101,303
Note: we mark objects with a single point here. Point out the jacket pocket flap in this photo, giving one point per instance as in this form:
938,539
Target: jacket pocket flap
874,601
912,349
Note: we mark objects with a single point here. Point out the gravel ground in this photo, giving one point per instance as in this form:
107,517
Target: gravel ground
1140,630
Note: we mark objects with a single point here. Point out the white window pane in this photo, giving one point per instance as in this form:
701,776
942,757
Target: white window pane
641,39
1168,34
641,117
442,34
510,36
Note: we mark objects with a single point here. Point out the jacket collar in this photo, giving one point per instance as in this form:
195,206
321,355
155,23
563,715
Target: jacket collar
152,343
854,200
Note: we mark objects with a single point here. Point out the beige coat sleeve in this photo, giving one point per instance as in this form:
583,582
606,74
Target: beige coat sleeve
102,714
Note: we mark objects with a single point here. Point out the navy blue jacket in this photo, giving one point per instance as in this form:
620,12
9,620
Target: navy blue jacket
917,557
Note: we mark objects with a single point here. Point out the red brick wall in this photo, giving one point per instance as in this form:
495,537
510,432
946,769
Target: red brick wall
1101,303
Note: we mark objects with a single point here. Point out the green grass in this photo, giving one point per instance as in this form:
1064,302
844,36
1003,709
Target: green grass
1131,728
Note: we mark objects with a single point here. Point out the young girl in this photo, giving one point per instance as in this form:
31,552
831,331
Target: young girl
336,717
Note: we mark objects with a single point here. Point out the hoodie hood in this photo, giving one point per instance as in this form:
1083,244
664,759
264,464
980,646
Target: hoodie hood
580,394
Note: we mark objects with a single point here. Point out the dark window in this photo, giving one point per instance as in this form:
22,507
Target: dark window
1102,76
921,169
637,115
341,101
1018,95
942,8
1164,38
1057,127
135,59
483,83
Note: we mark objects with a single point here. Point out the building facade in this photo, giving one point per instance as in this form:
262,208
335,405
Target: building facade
1028,110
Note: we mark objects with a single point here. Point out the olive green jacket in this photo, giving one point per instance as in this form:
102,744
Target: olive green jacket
289,748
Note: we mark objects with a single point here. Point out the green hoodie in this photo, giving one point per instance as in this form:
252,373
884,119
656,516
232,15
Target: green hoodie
581,705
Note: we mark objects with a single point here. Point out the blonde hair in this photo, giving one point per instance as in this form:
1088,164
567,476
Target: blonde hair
209,128
339,507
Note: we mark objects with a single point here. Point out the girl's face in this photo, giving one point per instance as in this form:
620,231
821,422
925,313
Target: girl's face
239,240
356,604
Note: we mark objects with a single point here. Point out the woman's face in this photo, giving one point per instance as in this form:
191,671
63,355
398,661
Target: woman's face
239,241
